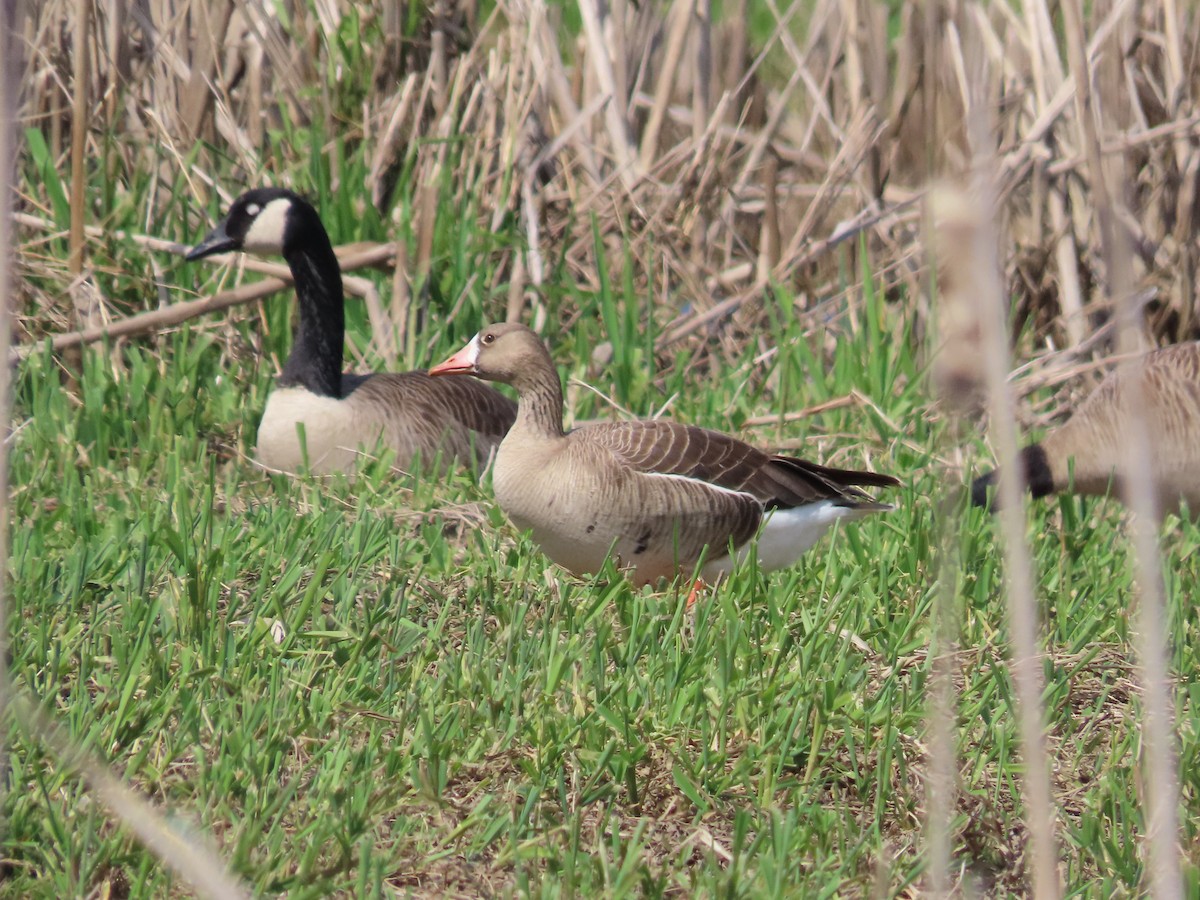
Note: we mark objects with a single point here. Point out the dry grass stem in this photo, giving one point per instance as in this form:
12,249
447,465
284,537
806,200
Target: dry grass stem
1158,757
185,852
10,65
1022,601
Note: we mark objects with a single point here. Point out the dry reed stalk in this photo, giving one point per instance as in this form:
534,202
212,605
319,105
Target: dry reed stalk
677,31
989,296
702,91
769,242
82,297
402,308
940,778
1019,591
956,379
1158,762
437,56
603,67
531,17
975,360
10,71
211,19
79,121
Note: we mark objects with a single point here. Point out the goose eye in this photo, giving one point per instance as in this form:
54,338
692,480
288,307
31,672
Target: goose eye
488,338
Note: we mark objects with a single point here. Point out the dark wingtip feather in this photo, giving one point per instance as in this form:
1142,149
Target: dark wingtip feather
845,477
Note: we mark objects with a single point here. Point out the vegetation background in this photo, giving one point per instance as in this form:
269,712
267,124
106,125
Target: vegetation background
712,211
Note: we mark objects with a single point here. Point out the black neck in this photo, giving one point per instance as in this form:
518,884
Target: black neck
315,362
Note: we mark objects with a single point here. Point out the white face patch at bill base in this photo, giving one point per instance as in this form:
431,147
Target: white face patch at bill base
471,352
265,234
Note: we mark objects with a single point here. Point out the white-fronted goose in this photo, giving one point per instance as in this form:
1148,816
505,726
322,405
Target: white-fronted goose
1085,452
343,413
653,495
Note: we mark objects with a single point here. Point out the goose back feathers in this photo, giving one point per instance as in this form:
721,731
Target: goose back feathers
343,414
1086,451
656,496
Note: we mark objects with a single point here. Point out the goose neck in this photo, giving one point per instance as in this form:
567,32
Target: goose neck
315,362
540,405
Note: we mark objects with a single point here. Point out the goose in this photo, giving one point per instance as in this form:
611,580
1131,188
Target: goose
340,412
1085,452
655,496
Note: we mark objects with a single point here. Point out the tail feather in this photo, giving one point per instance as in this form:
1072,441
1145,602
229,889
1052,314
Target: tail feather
840,478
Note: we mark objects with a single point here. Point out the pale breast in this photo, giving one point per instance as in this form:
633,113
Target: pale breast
333,433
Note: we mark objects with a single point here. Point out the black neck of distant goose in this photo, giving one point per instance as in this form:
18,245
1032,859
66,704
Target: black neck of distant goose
315,362
540,400
1038,477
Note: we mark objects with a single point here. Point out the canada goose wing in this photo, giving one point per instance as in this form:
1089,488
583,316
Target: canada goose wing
437,401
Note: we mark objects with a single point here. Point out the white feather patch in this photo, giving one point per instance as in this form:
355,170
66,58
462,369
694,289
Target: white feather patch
267,230
785,536
700,481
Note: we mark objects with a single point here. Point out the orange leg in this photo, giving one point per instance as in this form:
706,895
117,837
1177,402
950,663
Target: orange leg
697,588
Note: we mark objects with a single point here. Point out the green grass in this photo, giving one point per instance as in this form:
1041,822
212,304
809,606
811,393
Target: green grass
447,712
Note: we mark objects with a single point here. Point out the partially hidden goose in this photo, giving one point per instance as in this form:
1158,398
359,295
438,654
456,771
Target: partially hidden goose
652,495
410,413
1085,452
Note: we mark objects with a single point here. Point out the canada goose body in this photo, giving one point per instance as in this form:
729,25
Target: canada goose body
656,497
1086,452
342,414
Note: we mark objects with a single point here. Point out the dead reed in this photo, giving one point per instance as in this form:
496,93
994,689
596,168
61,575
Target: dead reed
724,178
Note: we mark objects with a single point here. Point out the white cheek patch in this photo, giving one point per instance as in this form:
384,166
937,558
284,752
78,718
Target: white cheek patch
267,229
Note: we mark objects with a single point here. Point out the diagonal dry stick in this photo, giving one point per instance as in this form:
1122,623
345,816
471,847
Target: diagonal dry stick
188,853
679,20
592,12
180,312
211,21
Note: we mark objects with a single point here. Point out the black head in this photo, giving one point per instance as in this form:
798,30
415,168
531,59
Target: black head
263,221
1035,466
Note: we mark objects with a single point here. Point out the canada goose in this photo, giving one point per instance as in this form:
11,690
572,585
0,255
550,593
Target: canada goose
1085,452
650,494
411,413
